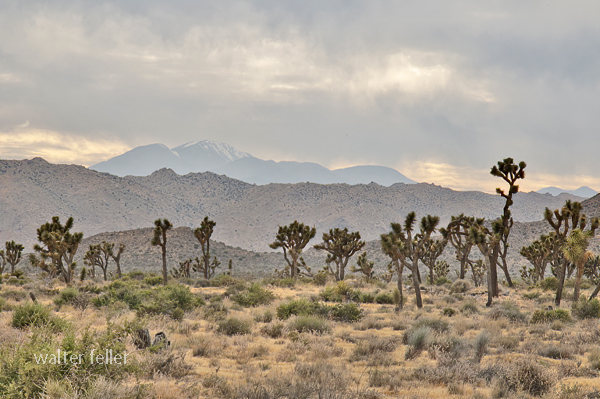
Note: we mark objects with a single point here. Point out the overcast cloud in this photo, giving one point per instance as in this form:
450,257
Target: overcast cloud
438,90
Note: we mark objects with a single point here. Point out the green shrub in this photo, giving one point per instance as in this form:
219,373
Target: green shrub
296,308
549,284
385,298
330,294
311,324
30,314
532,295
320,278
548,316
234,326
584,309
366,297
442,280
273,330
67,295
253,296
347,313
265,317
508,310
437,325
594,358
153,280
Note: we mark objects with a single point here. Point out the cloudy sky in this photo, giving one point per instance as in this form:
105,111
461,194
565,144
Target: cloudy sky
438,90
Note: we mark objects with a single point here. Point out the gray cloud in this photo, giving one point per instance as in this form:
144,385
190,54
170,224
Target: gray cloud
458,84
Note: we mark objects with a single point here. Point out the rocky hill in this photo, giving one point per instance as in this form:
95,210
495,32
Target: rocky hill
247,216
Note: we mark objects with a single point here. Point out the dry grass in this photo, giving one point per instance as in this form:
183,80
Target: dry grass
473,352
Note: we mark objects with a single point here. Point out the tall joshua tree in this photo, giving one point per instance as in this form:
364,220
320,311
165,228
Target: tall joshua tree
340,245
57,248
292,239
510,173
203,234
161,226
12,255
487,240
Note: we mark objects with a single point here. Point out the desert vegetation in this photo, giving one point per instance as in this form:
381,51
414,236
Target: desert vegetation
440,332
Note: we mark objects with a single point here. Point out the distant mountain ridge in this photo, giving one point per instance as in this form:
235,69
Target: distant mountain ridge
221,158
247,215
584,191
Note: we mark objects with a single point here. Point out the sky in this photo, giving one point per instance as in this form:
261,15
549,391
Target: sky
439,90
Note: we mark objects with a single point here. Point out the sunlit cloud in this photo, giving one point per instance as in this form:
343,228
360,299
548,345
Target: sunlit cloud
25,142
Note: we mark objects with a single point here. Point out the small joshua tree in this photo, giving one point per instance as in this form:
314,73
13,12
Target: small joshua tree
365,267
341,245
57,248
99,255
203,234
160,239
117,257
292,239
11,256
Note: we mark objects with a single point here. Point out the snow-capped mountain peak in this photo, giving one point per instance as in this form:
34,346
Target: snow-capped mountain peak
211,149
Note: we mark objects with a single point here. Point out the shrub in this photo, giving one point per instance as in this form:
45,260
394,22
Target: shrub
254,296
549,284
296,307
556,351
594,358
347,313
529,376
508,310
584,309
480,345
416,339
460,287
366,297
273,330
437,325
469,308
31,314
548,316
373,345
320,278
153,280
265,317
449,312
330,294
234,326
385,298
442,280
67,295
315,325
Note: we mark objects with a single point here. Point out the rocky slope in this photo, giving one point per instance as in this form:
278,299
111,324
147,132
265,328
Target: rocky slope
32,191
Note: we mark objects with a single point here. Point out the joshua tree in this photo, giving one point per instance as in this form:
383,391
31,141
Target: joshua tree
57,249
11,256
99,255
117,258
568,218
160,239
203,234
365,267
487,240
510,173
292,239
340,245
575,251
592,271
432,250
392,244
457,233
184,269
538,254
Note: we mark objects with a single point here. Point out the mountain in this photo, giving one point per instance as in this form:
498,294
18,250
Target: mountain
196,156
247,216
221,158
583,192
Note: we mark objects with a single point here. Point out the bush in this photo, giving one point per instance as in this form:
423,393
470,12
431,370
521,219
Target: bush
273,330
449,312
385,298
549,284
31,314
253,296
153,280
295,308
548,316
557,352
529,376
347,313
366,297
330,294
234,326
460,287
442,280
508,310
67,295
374,345
469,308
437,325
311,324
416,339
584,309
